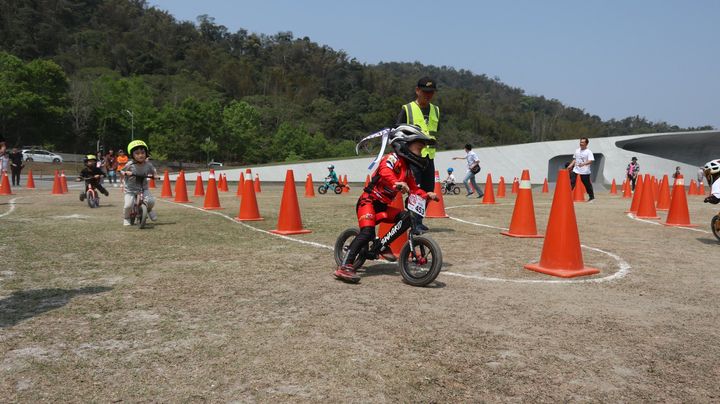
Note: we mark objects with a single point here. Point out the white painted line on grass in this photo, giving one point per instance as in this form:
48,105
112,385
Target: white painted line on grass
632,216
232,219
11,202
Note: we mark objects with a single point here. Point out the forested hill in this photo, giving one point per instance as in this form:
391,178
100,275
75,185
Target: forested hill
77,72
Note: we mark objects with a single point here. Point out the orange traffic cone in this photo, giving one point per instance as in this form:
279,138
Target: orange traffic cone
30,181
63,182
241,185
289,221
436,209
488,197
57,186
679,215
257,184
166,192
545,188
383,227
346,188
309,189
561,255
248,206
5,187
501,187
181,195
613,188
523,218
646,209
655,188
663,202
701,189
199,189
635,204
212,200
579,190
225,187
627,191
151,184
515,186
693,188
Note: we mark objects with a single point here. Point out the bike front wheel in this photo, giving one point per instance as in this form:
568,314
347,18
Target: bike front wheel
715,226
90,198
342,245
322,189
422,265
143,215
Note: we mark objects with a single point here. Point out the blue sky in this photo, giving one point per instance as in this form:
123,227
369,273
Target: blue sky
657,59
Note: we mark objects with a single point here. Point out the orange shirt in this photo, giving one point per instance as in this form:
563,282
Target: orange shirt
121,160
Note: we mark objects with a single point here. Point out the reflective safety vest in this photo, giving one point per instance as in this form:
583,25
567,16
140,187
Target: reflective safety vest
415,117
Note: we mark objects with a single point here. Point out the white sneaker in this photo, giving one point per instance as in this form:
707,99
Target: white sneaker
153,215
126,222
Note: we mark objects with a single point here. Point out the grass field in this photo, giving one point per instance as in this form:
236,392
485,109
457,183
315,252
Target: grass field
202,308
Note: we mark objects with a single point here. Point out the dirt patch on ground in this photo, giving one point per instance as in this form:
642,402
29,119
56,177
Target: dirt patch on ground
201,308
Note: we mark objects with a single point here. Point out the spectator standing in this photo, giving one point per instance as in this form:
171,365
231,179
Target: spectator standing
677,173
632,170
580,166
426,116
701,176
4,161
473,167
16,165
120,162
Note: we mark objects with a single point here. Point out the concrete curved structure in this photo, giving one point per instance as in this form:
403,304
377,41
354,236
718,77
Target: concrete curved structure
657,153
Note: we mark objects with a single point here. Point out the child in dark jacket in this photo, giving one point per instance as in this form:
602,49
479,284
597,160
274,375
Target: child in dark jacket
91,174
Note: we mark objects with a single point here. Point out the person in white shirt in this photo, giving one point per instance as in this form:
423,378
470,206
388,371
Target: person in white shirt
473,165
582,159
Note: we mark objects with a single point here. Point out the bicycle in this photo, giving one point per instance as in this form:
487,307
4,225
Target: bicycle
91,194
139,211
420,259
448,188
337,188
715,226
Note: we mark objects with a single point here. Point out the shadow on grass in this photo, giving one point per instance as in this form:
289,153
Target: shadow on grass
439,230
23,305
708,241
391,269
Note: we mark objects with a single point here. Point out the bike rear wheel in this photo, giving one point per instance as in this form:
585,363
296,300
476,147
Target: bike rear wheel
338,189
421,266
143,215
342,244
715,226
456,190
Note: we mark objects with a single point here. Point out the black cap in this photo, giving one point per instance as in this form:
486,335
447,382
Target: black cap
634,159
427,84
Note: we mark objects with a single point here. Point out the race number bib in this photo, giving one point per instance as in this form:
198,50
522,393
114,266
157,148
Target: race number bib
416,204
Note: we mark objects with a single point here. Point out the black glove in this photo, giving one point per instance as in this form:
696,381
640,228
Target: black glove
712,199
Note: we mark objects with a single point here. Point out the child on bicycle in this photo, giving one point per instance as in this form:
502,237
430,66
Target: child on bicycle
450,180
393,175
95,174
712,174
142,169
332,178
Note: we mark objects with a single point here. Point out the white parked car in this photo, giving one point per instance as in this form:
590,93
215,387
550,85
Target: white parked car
42,156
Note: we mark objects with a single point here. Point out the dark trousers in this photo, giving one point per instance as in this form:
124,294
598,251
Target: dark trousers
585,178
15,175
425,178
632,180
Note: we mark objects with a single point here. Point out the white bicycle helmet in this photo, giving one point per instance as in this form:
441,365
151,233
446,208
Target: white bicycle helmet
403,135
712,170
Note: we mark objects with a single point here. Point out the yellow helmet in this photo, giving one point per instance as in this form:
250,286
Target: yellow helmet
135,144
90,157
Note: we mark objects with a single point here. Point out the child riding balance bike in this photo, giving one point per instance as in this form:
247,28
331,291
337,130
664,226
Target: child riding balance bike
712,174
91,174
393,175
135,173
331,181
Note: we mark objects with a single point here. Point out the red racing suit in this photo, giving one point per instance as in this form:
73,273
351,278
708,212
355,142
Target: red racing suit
373,205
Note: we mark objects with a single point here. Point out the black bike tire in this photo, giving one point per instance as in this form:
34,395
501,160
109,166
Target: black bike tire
322,189
338,190
143,215
90,199
339,249
456,190
444,190
714,226
435,267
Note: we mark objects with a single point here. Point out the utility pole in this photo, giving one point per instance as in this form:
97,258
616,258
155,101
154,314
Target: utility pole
132,124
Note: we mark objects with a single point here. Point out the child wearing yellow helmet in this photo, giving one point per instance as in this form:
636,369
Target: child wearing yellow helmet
141,168
93,174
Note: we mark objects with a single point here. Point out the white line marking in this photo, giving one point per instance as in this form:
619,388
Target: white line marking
624,267
632,216
12,206
232,219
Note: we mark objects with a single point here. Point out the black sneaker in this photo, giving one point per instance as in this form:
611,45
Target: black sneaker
82,197
106,193
592,198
